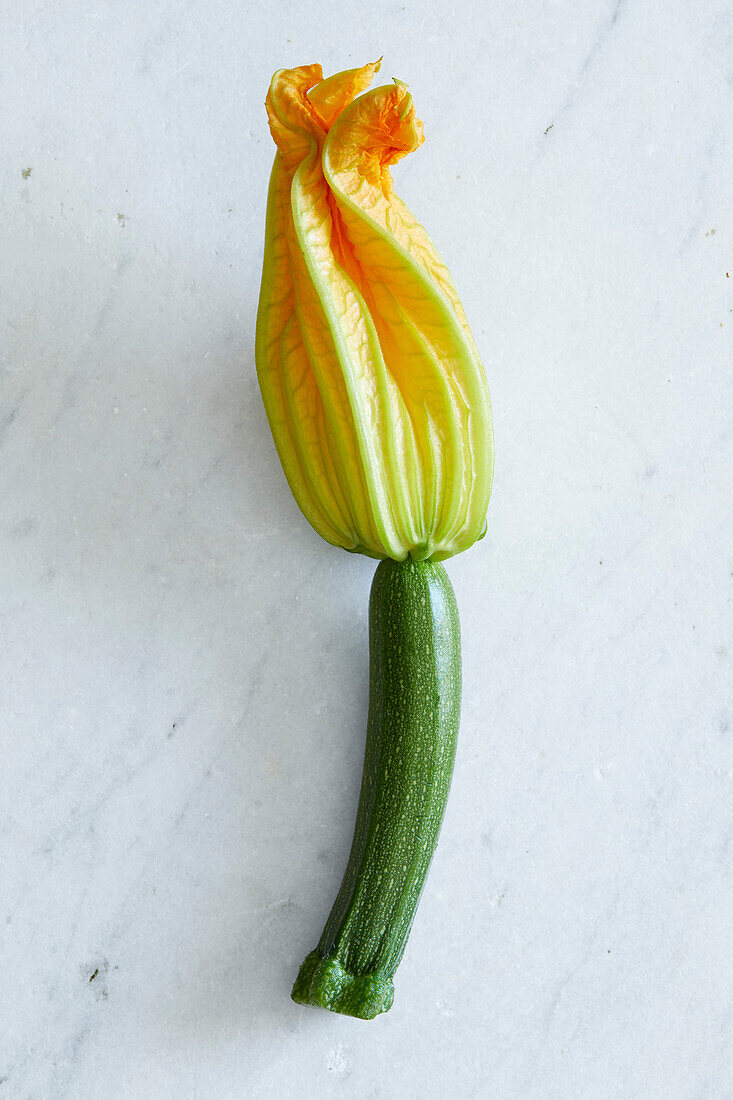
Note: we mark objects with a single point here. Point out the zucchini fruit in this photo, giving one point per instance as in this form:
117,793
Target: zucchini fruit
414,710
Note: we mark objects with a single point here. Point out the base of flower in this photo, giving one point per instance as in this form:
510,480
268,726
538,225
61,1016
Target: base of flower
326,984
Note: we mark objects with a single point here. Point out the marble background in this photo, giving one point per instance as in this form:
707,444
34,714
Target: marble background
183,662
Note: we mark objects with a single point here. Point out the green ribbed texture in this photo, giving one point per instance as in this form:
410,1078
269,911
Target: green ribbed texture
414,711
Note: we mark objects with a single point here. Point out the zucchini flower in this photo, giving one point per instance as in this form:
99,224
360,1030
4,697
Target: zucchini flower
378,405
372,382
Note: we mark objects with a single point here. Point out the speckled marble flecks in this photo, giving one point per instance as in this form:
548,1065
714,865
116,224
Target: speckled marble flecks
183,663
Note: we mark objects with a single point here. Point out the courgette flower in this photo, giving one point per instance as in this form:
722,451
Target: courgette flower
370,377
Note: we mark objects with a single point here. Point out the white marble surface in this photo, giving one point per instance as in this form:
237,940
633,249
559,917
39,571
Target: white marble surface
183,662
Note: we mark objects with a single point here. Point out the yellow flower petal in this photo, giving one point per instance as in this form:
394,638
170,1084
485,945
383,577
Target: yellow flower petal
372,382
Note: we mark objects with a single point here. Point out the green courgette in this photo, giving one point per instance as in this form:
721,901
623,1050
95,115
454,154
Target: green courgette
414,710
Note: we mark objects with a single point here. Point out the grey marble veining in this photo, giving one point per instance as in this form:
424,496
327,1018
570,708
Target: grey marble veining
182,661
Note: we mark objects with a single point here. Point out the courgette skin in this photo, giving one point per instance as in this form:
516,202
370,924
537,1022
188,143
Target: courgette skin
414,711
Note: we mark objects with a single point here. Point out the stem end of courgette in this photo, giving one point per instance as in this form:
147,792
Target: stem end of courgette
325,983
